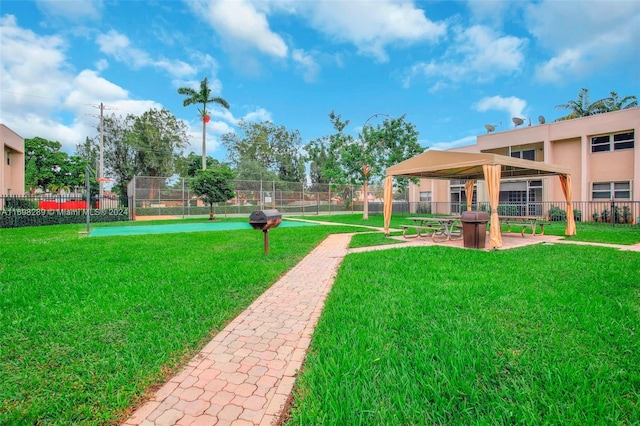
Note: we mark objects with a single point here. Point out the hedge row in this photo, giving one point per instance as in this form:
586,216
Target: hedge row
33,217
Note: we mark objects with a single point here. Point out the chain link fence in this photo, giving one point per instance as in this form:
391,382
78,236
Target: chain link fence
157,196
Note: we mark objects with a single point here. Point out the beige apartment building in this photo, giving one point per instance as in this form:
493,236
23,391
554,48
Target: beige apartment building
11,162
600,151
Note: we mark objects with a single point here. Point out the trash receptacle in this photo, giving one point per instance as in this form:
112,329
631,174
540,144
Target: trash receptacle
474,228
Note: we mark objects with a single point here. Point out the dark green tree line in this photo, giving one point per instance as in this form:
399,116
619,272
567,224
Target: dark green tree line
47,168
264,151
583,107
342,159
148,145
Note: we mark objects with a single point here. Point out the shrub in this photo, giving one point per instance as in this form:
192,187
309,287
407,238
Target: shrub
577,215
424,208
556,214
35,217
20,203
508,210
626,214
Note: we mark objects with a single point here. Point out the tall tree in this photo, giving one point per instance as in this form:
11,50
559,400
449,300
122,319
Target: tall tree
142,145
214,185
70,174
272,148
158,137
364,159
43,162
318,157
189,165
88,151
203,96
252,170
615,103
119,150
580,107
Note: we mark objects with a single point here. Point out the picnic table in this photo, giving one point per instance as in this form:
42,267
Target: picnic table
439,228
531,222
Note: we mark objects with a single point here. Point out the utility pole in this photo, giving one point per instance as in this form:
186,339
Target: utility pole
100,175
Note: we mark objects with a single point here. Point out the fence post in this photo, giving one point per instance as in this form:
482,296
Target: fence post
613,218
88,189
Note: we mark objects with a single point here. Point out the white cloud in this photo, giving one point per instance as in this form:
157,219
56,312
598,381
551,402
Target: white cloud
215,129
72,10
488,53
569,62
31,65
119,47
476,53
306,64
258,115
513,106
240,25
493,12
34,77
372,26
442,146
91,89
42,96
584,39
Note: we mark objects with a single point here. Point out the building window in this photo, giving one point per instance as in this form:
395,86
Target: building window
623,141
459,196
8,155
527,154
613,142
425,196
608,190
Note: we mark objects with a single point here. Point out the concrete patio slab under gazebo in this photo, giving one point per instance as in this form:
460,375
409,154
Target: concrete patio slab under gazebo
469,166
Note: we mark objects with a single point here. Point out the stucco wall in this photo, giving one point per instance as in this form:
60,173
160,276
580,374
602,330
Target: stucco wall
566,152
567,143
11,175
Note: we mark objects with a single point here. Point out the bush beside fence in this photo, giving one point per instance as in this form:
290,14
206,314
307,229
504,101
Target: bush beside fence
28,210
17,218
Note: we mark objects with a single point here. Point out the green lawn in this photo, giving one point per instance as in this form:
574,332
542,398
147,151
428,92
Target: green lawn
547,334
88,325
587,231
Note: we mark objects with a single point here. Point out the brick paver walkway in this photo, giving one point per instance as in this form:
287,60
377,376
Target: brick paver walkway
246,373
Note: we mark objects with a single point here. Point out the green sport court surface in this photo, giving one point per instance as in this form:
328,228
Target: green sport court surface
182,227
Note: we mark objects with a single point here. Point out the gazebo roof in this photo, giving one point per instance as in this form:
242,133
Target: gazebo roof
468,165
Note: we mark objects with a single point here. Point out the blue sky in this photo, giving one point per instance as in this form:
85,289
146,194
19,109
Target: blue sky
451,67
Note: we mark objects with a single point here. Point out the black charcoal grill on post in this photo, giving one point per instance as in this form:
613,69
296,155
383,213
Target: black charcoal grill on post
264,220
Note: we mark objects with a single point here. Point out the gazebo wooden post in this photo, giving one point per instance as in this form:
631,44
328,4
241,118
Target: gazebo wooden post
565,180
388,203
492,175
471,166
468,191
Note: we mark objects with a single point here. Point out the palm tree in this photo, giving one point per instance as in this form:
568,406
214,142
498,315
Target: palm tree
614,103
581,107
202,97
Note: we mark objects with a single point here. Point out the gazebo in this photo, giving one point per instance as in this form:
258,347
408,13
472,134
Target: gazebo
476,166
